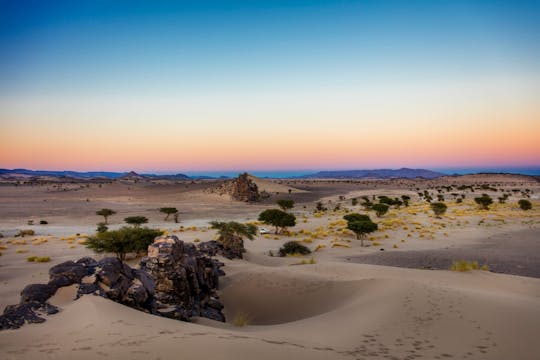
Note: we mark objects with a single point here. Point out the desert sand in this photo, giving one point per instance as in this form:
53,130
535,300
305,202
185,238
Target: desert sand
340,307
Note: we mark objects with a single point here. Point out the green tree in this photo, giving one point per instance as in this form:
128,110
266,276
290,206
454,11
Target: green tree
136,220
285,204
380,209
356,217
105,213
361,228
101,227
525,204
484,201
277,218
123,241
168,211
439,208
354,201
231,234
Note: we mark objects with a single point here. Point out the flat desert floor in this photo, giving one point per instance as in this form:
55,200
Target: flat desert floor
395,298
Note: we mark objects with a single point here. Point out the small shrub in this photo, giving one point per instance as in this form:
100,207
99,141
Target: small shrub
38,259
464,265
293,247
241,319
524,204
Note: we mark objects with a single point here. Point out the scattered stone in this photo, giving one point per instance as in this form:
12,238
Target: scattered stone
176,280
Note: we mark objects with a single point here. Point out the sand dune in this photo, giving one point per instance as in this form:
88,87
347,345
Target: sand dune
322,311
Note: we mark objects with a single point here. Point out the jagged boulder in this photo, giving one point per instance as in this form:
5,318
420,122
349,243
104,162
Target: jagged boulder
240,189
185,280
175,280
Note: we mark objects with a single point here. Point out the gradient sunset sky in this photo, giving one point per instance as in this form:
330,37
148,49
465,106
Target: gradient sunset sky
169,86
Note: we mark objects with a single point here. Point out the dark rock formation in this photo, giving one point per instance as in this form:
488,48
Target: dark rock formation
186,281
175,280
213,248
240,189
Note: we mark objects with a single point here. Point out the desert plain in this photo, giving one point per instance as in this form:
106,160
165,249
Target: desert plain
394,298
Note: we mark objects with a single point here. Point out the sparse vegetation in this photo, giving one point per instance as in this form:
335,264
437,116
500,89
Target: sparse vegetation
361,225
484,201
439,208
380,209
285,204
168,211
231,234
524,204
241,319
101,227
123,241
464,265
136,221
277,218
105,213
293,248
38,259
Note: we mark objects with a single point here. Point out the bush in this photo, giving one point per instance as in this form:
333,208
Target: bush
277,218
439,208
380,209
525,204
101,227
292,248
484,201
285,204
356,217
464,265
42,259
136,220
123,241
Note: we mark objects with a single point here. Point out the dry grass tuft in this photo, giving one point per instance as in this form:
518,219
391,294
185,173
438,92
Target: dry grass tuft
241,319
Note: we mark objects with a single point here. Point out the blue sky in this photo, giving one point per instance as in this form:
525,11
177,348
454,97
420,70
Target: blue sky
391,69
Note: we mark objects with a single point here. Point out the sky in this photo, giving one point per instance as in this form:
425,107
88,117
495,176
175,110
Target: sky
171,86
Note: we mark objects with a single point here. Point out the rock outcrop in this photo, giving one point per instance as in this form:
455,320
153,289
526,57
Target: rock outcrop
185,280
240,189
213,248
175,280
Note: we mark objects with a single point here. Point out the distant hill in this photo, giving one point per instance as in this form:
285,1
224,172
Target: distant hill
93,174
376,174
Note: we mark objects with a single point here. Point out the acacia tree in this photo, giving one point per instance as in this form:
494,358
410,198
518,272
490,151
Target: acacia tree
105,213
122,241
439,208
136,221
277,218
361,228
231,235
380,209
285,204
169,211
356,217
484,201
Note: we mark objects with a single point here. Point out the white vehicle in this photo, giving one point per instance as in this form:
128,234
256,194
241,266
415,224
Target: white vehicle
263,231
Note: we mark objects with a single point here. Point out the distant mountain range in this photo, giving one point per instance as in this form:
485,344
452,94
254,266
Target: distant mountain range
377,174
93,174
